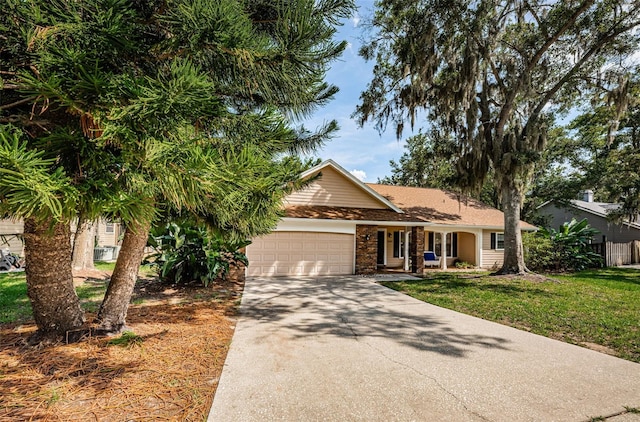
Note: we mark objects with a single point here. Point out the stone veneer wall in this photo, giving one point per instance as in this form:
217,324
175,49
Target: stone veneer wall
416,249
366,250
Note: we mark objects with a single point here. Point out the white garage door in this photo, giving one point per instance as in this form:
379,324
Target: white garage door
301,253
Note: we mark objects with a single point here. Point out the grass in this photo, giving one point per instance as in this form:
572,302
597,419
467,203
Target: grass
91,293
104,265
126,339
14,303
600,307
15,306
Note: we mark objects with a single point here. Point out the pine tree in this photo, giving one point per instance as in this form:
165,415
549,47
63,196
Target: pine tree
155,104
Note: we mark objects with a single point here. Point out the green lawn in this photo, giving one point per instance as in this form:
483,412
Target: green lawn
600,306
14,303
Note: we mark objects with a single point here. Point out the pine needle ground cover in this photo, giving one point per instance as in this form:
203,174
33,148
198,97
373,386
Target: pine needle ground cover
166,368
596,309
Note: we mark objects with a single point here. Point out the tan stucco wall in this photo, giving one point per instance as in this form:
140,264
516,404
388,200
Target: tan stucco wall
467,247
391,261
333,189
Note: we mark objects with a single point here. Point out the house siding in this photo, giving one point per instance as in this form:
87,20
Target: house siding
491,258
617,233
333,189
103,237
8,231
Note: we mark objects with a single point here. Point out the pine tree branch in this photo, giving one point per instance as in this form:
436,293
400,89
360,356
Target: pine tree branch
16,103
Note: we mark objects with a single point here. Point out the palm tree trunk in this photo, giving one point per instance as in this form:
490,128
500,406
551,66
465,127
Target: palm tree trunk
55,305
82,257
513,252
113,311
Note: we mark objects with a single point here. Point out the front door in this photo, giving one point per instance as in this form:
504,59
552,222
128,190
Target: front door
381,248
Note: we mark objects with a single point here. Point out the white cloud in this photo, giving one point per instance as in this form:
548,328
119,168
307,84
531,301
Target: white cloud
360,174
355,19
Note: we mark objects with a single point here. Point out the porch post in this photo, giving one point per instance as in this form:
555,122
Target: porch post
479,241
406,248
443,252
417,249
366,249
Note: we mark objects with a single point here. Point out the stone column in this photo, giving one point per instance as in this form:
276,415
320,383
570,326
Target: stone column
417,249
366,249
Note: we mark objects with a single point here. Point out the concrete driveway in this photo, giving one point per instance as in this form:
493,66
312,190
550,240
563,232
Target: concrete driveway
348,349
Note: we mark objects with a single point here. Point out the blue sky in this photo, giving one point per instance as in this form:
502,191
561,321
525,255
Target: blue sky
361,151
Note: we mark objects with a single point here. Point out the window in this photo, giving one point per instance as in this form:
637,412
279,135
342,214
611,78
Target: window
435,244
497,241
398,244
108,228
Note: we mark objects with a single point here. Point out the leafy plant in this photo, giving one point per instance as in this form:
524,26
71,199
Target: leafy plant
464,265
188,251
569,247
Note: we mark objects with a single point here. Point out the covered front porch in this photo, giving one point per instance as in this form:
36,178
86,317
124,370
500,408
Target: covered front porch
393,247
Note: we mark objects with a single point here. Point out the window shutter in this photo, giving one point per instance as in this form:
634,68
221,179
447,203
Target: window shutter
431,245
493,240
396,244
454,244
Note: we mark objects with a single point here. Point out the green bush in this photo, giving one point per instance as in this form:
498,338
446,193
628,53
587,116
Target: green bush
538,251
190,252
565,249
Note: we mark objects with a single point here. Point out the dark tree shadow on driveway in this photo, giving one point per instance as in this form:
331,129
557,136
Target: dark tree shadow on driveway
355,308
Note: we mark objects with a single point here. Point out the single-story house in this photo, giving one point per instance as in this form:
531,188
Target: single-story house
339,225
596,214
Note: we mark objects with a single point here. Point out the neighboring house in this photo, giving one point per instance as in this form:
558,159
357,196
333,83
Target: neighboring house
11,235
596,215
339,225
107,234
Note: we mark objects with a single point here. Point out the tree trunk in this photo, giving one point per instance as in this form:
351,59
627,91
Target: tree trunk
55,305
513,251
82,258
113,311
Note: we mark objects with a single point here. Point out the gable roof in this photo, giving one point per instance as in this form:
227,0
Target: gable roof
404,204
357,183
443,207
601,209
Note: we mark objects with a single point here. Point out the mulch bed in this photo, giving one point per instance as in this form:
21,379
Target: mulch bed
170,372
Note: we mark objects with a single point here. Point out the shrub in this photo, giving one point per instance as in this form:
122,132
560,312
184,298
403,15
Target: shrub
565,249
190,252
538,251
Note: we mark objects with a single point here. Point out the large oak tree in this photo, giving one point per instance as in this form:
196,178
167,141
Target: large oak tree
494,74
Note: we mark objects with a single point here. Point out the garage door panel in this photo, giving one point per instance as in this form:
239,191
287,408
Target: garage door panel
301,253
